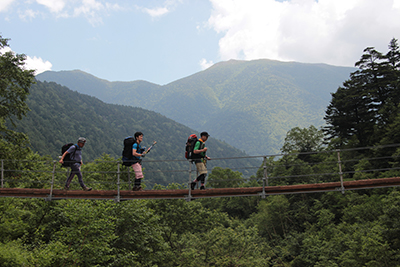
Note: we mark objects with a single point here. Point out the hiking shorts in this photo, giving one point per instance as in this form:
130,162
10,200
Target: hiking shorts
137,168
201,168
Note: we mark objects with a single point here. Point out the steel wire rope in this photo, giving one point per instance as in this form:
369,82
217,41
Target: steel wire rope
214,159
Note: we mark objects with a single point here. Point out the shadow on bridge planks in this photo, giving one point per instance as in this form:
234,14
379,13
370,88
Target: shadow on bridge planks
57,194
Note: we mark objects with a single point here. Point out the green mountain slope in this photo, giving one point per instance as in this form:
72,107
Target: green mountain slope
249,104
59,115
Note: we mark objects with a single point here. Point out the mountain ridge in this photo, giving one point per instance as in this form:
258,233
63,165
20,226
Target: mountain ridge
236,101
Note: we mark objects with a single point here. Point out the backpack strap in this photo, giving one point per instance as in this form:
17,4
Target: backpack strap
73,153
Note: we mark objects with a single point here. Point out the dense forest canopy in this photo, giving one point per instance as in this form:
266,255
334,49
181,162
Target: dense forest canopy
357,228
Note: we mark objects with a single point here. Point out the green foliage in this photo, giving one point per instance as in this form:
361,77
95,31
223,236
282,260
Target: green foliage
224,178
13,255
303,141
232,246
368,102
15,82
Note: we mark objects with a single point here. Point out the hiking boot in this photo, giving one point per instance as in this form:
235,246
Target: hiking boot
66,188
192,185
87,188
202,187
137,188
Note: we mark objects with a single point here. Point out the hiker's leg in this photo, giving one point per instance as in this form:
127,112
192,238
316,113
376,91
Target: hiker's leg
201,178
137,168
70,177
138,182
202,169
76,167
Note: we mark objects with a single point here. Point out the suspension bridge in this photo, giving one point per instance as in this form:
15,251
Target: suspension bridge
188,194
339,181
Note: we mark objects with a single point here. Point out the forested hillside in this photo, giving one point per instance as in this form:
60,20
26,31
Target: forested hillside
249,104
59,115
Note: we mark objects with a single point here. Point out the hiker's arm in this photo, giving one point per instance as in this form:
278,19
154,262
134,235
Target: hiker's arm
62,157
197,151
135,153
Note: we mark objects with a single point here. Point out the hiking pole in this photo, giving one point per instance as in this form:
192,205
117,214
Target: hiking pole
148,150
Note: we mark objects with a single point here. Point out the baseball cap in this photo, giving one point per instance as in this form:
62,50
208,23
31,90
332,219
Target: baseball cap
81,140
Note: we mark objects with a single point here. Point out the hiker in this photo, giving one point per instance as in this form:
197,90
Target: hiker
199,157
137,152
76,157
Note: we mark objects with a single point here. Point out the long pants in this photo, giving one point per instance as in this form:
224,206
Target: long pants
75,170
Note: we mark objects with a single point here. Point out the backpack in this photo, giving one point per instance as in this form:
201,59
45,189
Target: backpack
127,157
191,141
67,159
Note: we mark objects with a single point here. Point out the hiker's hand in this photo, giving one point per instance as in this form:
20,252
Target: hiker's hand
61,161
205,149
208,158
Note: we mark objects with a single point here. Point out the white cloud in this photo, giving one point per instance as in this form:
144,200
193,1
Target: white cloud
4,4
204,64
37,64
167,7
329,31
28,14
55,6
90,10
396,4
156,12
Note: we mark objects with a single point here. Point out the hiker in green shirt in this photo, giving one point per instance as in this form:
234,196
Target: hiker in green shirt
199,156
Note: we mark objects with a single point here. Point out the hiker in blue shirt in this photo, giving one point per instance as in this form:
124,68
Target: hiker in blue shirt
137,153
76,157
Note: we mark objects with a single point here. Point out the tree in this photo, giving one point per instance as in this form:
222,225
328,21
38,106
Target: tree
366,103
303,141
224,178
15,82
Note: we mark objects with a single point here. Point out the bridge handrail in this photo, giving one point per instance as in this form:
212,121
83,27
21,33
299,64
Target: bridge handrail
55,171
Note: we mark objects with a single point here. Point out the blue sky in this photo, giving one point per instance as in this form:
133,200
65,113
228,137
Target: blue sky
163,41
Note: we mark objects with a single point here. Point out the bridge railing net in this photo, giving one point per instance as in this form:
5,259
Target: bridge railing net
279,169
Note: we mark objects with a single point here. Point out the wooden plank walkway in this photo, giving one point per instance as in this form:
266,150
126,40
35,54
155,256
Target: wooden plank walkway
56,194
